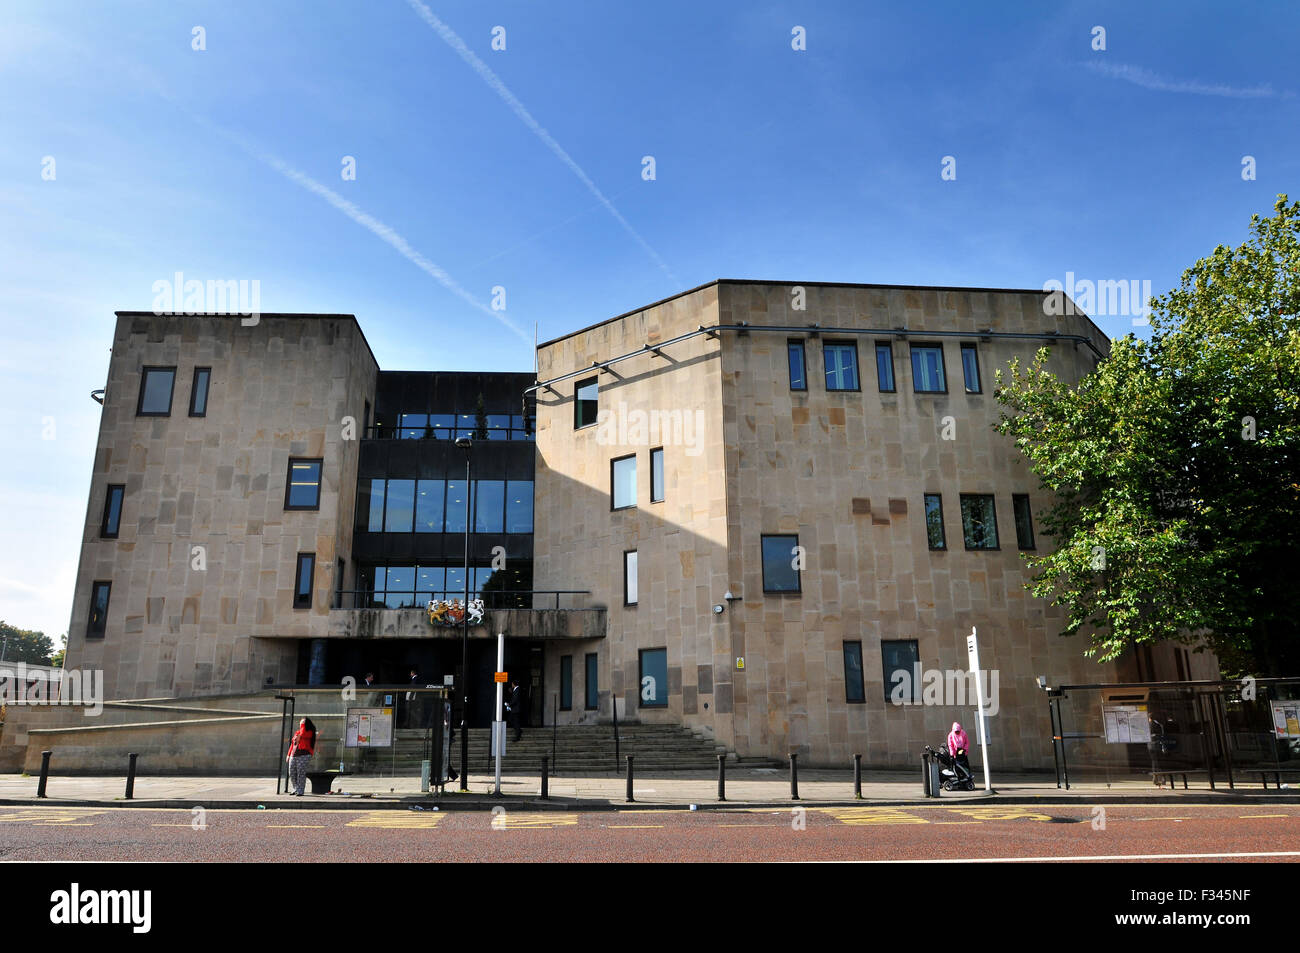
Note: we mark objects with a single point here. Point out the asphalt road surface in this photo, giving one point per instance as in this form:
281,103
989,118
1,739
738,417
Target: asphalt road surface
947,833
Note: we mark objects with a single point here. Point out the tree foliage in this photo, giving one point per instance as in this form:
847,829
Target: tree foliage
25,645
1174,466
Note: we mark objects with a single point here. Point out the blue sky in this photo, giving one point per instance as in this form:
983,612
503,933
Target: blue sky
522,168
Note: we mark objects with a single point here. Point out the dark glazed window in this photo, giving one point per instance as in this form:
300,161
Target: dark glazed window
519,506
934,521
199,392
156,384
98,616
108,527
489,506
657,475
979,521
970,368
798,365
854,692
1024,521
899,663
592,686
781,563
429,505
630,593
885,366
927,369
653,685
302,491
566,682
841,365
400,510
586,403
304,580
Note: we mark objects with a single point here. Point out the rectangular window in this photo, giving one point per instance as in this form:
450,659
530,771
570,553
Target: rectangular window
798,365
979,521
900,662
413,426
98,616
629,578
566,682
519,506
429,506
1024,521
970,368
112,511
622,480
429,584
339,568
457,506
399,585
927,369
489,506
304,581
591,686
586,403
365,426
374,506
654,678
199,392
302,491
934,521
780,563
841,365
156,384
885,366
854,691
657,475
399,509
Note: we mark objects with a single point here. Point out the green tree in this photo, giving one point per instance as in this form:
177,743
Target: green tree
1174,466
25,645
480,420
57,658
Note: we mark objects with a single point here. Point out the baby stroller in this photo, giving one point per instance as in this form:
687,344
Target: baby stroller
955,771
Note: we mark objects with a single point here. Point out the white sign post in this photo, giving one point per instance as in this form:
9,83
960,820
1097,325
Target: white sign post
499,726
973,650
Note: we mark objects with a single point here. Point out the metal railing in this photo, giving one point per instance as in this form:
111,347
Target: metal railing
431,432
419,598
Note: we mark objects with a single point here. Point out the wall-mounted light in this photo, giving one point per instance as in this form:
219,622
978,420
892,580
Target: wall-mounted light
719,609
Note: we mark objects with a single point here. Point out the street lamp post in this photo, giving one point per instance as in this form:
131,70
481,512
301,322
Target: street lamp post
465,443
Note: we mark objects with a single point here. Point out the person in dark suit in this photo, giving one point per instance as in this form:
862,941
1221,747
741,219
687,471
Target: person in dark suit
412,701
514,708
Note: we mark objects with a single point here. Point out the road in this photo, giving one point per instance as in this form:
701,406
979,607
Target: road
929,832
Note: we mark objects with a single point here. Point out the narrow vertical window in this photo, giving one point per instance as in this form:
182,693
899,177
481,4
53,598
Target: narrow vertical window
1024,521
622,479
934,521
841,365
591,685
199,392
566,682
970,368
900,661
798,365
339,568
399,511
927,369
657,475
97,619
654,678
519,506
112,511
782,560
629,578
885,366
304,580
586,403
854,690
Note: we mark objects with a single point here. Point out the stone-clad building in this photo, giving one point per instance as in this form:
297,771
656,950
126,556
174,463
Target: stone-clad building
741,509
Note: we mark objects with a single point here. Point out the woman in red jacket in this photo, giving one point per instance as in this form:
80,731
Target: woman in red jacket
300,752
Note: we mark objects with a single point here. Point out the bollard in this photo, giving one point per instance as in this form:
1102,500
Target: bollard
925,775
545,780
794,777
857,776
630,799
722,777
45,773
130,775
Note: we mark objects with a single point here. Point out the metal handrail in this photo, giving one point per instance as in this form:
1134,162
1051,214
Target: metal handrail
421,597
397,432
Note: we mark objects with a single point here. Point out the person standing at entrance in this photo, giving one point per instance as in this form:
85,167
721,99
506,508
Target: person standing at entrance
301,749
513,708
412,706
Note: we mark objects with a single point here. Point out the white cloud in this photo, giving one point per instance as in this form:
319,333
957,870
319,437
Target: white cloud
1145,78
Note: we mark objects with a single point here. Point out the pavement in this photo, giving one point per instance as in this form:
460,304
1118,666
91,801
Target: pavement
685,790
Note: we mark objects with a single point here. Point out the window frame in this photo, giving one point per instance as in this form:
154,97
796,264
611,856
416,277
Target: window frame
144,384
861,679
640,674
108,502
657,454
943,529
613,484
888,347
94,631
578,402
635,577
885,675
852,346
791,345
994,512
566,684
798,573
320,479
301,601
965,378
943,367
1017,499
591,682
194,391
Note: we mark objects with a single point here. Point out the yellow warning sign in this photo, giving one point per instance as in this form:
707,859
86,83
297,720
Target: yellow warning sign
499,677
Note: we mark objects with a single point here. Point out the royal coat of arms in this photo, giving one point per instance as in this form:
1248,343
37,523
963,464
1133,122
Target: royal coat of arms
453,613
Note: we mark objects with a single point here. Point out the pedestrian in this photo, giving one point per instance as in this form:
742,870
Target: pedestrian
959,745
370,679
514,707
412,710
300,751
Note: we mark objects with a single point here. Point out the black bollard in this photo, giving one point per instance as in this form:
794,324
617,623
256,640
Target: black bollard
45,773
794,777
130,775
925,775
545,785
630,798
857,776
722,777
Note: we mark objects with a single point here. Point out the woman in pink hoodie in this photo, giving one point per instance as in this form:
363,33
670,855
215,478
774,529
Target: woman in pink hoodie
957,741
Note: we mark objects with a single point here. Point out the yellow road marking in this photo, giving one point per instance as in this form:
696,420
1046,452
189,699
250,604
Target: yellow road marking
629,827
398,820
1008,813
48,816
870,815
295,825
1265,815
959,822
520,822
